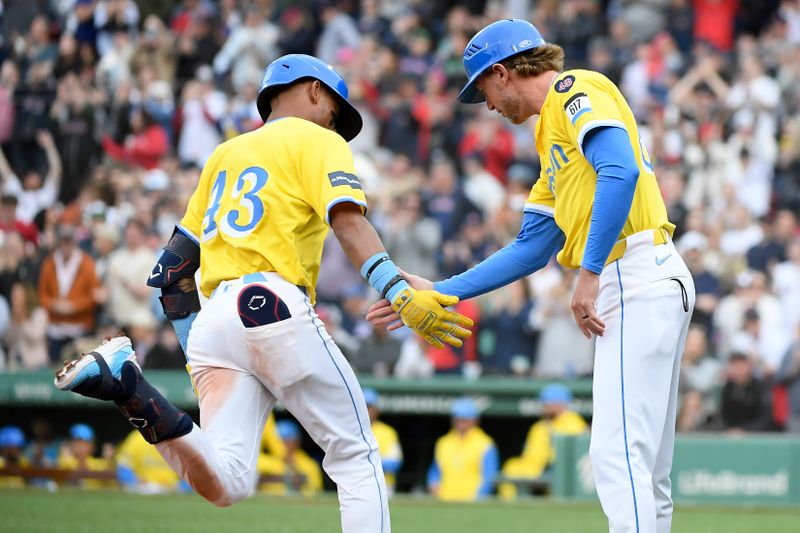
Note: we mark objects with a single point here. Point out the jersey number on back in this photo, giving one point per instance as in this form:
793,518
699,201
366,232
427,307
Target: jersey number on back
240,222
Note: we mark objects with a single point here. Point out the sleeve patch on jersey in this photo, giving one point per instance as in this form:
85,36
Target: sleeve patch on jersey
343,178
565,84
576,106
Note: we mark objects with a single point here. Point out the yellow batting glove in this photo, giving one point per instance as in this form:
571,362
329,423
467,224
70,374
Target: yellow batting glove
425,312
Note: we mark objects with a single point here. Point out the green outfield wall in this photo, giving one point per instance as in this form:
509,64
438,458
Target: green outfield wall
752,469
495,396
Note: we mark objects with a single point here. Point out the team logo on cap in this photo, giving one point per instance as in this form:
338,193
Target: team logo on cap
565,84
525,43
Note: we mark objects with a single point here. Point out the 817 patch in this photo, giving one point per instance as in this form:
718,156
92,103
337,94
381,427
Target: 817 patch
565,84
577,105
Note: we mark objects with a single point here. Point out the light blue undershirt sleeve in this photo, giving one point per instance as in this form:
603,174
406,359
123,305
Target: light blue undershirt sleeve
489,469
391,466
609,151
434,474
182,326
538,239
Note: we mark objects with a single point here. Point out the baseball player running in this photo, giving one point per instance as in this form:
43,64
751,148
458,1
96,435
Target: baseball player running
255,228
598,204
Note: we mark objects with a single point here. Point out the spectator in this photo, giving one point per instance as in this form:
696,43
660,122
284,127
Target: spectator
297,31
249,47
700,370
75,118
412,238
32,193
201,111
539,452
465,462
67,286
766,347
750,293
78,456
167,353
144,147
743,403
563,351
377,354
388,444
27,340
11,224
141,469
506,334
481,187
786,284
129,297
293,472
469,247
340,37
707,287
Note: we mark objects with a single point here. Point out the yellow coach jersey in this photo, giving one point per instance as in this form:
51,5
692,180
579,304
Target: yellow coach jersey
263,200
579,101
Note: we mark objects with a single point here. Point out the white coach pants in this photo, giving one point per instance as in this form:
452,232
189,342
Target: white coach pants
239,373
646,300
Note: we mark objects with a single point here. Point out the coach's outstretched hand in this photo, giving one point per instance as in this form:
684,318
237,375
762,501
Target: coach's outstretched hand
425,312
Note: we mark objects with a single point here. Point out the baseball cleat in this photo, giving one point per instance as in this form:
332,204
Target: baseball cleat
104,362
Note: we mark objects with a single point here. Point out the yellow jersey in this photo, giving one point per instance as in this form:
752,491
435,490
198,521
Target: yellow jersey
271,442
67,461
539,451
464,466
389,449
145,462
263,200
284,475
577,102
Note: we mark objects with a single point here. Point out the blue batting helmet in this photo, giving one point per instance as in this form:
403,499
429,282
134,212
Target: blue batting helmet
494,43
294,67
11,437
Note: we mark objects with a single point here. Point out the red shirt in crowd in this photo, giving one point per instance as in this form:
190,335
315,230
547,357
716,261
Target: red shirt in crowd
714,22
145,150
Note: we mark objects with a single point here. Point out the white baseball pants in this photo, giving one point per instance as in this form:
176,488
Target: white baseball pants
646,300
239,373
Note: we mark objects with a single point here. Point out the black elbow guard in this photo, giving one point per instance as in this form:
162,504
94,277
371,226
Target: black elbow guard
179,260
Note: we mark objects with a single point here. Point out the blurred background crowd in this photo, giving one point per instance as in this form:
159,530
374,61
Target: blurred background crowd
109,108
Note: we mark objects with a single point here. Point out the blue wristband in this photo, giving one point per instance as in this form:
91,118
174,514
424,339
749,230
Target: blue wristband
383,275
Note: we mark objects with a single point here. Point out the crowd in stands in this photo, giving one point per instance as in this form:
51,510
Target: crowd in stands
109,108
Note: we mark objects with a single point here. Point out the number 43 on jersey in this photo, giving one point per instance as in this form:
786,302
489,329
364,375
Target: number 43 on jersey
241,211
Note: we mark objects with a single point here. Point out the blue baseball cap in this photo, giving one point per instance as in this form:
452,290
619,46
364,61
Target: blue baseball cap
494,43
371,396
81,432
288,429
294,67
11,437
555,393
464,408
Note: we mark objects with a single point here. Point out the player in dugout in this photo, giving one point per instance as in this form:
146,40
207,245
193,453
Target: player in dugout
465,460
539,452
388,442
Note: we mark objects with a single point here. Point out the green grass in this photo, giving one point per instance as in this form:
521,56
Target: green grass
71,511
